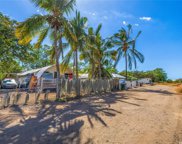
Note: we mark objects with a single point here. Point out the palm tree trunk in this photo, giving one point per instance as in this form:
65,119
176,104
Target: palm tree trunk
61,46
99,70
58,83
76,62
93,68
77,80
126,65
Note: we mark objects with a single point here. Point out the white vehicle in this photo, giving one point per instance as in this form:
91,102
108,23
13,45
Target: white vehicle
9,83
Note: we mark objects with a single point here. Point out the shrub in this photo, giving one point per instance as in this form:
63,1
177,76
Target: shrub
179,89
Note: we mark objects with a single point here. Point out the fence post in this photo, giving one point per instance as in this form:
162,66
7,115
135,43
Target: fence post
46,95
78,87
14,99
17,97
26,98
37,97
6,100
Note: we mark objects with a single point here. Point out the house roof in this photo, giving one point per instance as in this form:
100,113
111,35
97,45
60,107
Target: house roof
84,76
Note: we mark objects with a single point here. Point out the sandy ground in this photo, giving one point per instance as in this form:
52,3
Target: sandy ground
147,115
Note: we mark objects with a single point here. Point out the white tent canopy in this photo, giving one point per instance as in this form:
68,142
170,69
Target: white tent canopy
28,72
38,72
41,71
118,76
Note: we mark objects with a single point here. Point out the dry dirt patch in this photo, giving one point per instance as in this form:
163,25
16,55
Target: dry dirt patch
150,114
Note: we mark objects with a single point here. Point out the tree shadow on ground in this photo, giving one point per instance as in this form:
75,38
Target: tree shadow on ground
162,92
59,123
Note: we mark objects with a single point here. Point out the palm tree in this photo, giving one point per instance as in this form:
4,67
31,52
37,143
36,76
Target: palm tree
52,23
90,46
75,34
104,56
126,48
98,54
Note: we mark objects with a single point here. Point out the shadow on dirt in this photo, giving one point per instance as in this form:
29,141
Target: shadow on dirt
162,92
59,123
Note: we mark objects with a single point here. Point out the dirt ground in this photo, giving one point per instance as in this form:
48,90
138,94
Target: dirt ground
146,115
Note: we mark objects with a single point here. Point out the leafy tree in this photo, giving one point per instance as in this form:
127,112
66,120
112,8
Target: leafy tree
126,48
38,58
178,80
11,53
157,75
52,23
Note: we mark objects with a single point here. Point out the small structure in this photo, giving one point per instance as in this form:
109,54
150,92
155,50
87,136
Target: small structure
83,76
145,80
48,74
114,76
120,80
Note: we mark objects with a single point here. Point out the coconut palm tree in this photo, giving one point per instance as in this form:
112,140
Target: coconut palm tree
52,23
126,48
98,53
90,46
75,34
104,57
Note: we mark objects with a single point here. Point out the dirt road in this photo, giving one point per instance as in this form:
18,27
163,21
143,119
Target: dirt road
147,115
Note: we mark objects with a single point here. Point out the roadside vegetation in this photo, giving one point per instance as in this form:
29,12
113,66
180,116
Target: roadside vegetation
73,42
156,75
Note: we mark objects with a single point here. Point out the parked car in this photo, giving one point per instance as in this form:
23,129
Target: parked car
9,83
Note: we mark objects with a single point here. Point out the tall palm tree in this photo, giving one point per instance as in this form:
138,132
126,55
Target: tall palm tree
75,36
126,48
98,53
90,48
104,56
52,23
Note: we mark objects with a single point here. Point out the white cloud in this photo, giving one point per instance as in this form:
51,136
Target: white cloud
136,25
121,15
145,18
92,13
124,23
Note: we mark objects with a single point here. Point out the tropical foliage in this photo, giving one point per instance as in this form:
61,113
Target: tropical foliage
157,75
14,57
126,48
53,23
75,33
74,43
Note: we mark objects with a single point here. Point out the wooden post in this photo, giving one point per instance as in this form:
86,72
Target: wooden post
26,98
37,97
6,100
46,95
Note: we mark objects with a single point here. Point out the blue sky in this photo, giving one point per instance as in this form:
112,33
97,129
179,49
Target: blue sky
159,20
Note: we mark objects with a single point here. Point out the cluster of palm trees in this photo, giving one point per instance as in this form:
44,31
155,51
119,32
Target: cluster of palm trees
86,44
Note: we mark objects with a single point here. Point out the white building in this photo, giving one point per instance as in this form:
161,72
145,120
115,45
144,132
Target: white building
145,80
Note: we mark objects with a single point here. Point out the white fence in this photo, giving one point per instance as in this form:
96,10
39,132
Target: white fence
68,89
133,84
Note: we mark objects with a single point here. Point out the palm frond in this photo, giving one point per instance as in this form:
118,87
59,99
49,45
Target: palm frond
28,29
42,36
